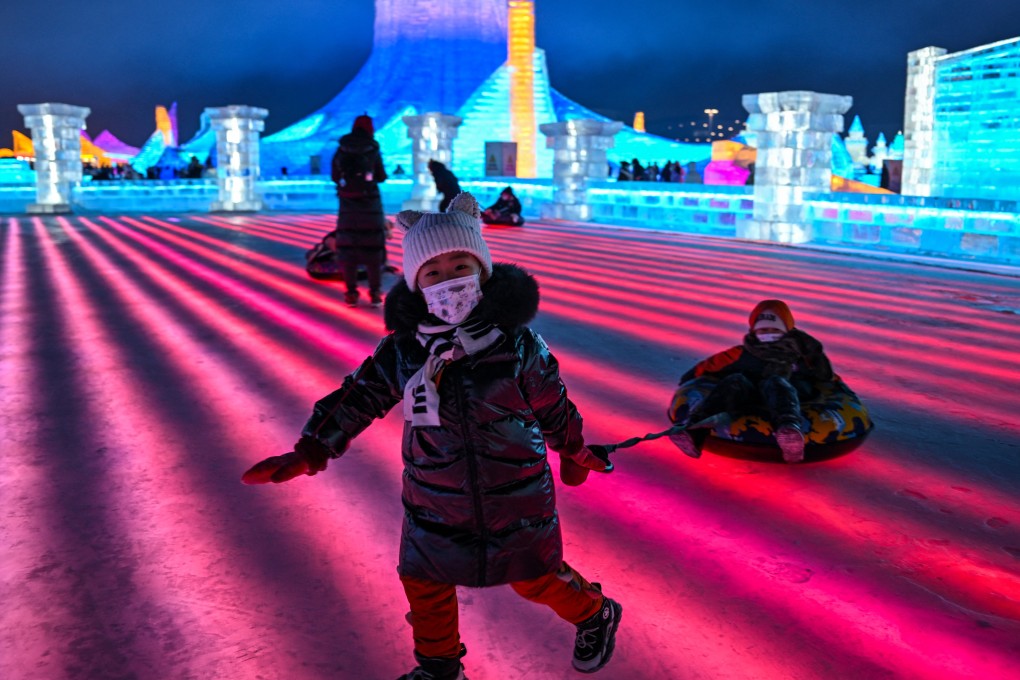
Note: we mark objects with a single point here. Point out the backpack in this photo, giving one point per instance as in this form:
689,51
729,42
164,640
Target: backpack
352,172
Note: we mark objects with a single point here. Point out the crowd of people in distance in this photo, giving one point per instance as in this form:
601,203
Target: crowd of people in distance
195,169
671,171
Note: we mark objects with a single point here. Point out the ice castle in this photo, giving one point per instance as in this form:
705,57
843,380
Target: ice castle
475,59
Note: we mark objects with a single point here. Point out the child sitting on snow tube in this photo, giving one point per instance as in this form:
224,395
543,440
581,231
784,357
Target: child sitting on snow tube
776,388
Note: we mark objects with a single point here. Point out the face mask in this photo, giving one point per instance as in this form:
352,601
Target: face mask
453,300
769,335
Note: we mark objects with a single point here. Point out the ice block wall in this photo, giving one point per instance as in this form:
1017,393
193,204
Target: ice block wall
579,155
919,122
977,123
794,132
237,130
432,136
56,137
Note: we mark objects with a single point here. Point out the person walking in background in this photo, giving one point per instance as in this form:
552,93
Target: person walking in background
446,183
357,170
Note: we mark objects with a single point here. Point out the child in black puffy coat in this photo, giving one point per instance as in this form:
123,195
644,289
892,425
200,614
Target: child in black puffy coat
482,399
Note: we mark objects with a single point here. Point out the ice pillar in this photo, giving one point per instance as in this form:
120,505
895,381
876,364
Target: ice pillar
919,122
56,137
432,136
794,131
237,131
579,154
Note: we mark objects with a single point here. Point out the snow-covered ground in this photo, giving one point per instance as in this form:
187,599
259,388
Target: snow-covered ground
145,362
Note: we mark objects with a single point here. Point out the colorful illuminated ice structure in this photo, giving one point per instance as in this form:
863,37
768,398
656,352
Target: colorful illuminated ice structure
450,58
162,144
732,160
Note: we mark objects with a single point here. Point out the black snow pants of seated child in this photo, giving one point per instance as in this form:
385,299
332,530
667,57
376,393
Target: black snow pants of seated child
737,395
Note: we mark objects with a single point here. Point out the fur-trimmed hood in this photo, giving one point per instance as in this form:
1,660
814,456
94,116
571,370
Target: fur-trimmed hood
509,299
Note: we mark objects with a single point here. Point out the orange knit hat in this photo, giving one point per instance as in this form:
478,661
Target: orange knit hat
771,314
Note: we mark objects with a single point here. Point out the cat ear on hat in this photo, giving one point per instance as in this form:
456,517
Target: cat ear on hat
465,202
407,218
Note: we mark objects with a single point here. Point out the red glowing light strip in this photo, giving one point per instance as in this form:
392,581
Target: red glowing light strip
845,611
999,371
714,270
625,321
246,336
30,514
643,586
209,379
261,230
99,351
351,318
710,261
822,275
955,579
781,500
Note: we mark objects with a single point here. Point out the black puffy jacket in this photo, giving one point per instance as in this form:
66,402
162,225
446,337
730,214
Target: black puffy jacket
361,221
478,495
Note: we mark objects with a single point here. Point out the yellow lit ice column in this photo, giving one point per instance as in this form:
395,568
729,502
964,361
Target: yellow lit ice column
521,62
56,137
919,122
579,154
432,136
794,133
237,131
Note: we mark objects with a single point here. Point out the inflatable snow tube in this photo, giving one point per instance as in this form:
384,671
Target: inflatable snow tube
835,422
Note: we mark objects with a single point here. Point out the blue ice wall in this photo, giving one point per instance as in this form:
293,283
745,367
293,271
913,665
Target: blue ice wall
977,123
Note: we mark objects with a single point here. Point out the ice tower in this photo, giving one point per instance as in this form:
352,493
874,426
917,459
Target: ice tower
962,122
475,59
427,56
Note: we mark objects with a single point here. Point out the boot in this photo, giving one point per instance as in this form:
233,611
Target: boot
685,442
596,637
437,668
791,443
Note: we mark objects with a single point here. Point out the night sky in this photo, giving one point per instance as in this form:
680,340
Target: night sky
669,58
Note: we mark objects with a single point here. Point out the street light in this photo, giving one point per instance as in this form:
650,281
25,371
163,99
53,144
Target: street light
711,114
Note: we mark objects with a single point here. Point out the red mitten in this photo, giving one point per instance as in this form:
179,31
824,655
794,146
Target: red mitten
308,457
574,467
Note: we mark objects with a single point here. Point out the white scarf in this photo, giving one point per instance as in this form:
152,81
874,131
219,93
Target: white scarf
444,344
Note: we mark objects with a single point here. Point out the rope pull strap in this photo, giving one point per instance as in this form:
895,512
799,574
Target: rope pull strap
603,450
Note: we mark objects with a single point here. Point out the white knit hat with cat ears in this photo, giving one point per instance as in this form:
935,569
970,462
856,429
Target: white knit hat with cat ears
431,234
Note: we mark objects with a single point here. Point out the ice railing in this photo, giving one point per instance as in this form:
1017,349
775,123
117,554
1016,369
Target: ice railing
976,229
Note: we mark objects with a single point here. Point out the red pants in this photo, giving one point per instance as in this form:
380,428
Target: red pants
434,616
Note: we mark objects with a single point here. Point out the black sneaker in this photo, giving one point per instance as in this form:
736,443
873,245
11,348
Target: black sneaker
351,299
437,668
376,300
596,637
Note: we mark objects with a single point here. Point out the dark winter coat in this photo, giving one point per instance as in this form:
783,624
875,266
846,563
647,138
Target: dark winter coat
361,222
478,495
811,368
446,183
507,211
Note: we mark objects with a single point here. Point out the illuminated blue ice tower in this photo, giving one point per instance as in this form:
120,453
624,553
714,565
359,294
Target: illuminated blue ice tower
962,122
474,59
427,56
